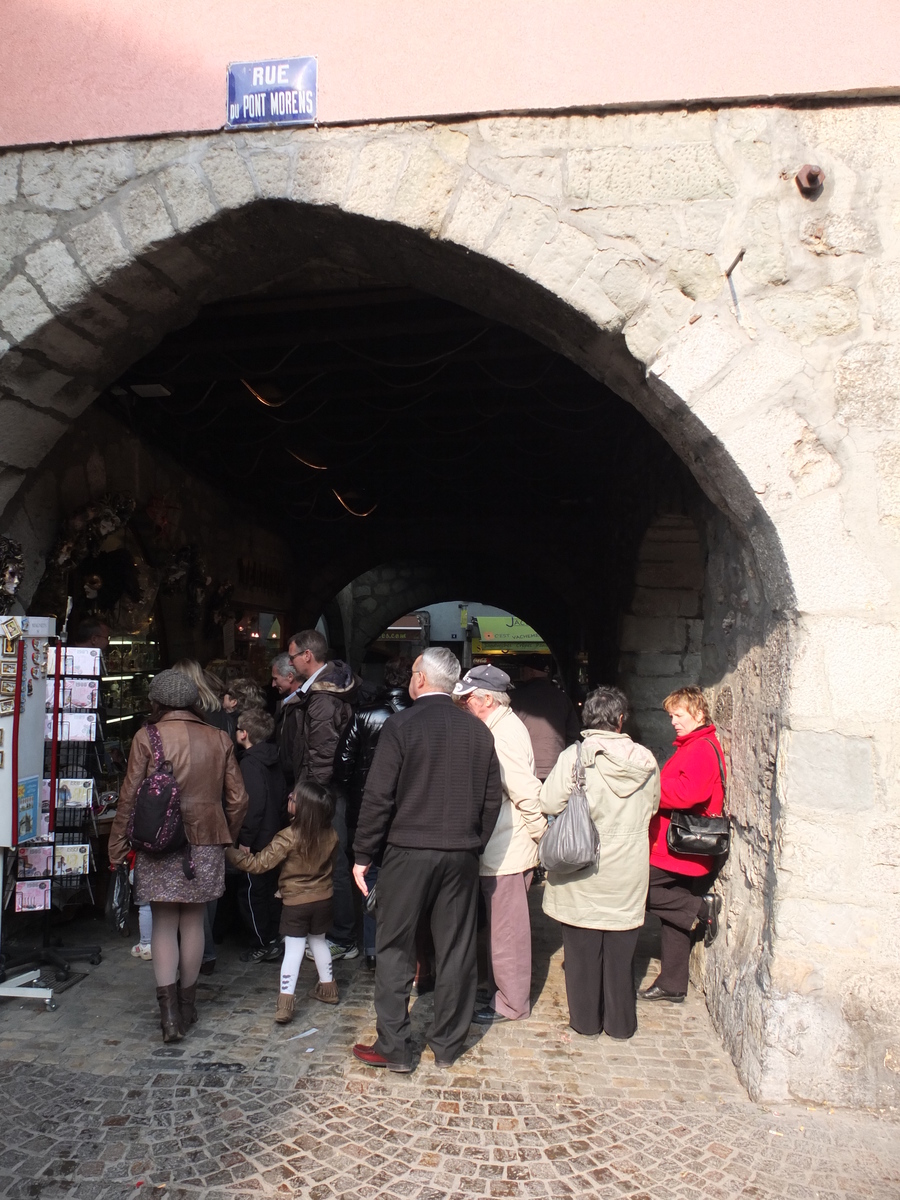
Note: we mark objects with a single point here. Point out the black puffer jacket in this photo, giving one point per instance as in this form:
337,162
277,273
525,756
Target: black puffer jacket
357,747
322,715
267,810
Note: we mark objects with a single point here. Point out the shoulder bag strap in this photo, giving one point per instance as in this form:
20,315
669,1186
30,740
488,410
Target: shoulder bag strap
719,760
156,746
580,780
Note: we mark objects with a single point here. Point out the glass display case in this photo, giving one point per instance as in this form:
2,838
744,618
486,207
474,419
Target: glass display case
129,665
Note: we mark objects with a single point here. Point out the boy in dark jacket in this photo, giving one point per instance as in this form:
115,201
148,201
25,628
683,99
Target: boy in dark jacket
266,816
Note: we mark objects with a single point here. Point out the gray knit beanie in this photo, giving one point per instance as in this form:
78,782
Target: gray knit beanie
173,689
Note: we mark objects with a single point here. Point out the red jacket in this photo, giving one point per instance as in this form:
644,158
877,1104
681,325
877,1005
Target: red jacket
690,779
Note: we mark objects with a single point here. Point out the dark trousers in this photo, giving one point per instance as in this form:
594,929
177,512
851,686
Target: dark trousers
675,899
600,987
343,928
259,907
444,885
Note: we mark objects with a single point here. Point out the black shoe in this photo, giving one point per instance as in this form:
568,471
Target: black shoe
710,907
207,967
257,954
370,962
274,951
657,993
487,1016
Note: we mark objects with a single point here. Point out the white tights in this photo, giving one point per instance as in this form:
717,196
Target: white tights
293,957
177,942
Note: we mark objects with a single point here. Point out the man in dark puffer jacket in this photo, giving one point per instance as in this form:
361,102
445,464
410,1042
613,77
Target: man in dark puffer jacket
266,815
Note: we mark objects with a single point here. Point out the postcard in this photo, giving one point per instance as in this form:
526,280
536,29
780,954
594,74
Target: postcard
36,862
32,896
72,860
72,727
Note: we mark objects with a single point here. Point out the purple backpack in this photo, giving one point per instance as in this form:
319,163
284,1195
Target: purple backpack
155,825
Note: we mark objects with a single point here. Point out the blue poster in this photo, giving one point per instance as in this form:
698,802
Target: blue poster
29,805
279,91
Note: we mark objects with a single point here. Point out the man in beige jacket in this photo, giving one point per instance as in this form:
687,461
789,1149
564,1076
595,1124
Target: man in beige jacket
511,854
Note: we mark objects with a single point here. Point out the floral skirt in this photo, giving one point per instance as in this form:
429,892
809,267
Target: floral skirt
160,878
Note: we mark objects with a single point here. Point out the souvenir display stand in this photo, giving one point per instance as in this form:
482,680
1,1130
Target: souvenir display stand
47,792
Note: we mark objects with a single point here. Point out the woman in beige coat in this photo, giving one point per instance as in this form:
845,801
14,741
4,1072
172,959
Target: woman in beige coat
509,858
601,909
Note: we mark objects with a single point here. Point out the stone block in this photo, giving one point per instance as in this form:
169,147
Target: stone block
67,349
452,143
887,463
652,728
647,692
695,273
758,375
273,171
562,259
144,218
100,248
477,212
838,233
667,665
806,316
845,577
658,634
375,178
537,176
55,272
523,230
627,175
666,602
623,278
763,259
18,232
9,177
27,433
685,574
75,177
31,380
666,311
187,196
229,175
425,188
867,386
589,295
10,482
826,772
836,926
702,351
321,173
885,279
22,311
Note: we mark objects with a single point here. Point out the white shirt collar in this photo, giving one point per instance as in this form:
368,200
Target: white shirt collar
304,687
435,693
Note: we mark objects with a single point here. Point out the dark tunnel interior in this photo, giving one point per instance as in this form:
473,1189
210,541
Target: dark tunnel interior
377,424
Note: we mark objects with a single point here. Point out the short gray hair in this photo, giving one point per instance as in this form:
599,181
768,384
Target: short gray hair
604,708
501,699
281,664
441,668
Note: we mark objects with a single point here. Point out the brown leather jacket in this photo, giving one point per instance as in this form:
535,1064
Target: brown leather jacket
203,764
304,877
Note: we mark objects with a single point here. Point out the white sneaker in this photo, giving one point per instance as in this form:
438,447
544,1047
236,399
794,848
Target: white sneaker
142,950
337,950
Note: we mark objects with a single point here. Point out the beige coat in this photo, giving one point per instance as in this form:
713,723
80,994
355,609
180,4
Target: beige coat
520,826
622,785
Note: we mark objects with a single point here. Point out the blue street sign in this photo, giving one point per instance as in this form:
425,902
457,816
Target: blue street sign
278,91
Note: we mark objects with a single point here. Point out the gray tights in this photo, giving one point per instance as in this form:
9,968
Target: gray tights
177,942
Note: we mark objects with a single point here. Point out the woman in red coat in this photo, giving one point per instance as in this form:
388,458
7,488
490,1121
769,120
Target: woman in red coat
692,778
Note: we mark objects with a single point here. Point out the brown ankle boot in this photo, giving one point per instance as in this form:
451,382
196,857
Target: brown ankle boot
326,992
284,1009
186,1006
169,1014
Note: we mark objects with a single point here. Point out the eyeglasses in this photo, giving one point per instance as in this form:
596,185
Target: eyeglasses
299,654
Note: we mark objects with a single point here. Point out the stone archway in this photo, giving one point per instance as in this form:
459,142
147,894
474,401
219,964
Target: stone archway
606,238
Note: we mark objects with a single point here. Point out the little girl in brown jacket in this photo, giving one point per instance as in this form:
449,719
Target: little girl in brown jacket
308,848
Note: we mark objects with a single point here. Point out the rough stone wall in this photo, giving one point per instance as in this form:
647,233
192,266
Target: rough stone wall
607,237
660,635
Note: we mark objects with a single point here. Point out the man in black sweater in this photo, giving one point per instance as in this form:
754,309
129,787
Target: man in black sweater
431,800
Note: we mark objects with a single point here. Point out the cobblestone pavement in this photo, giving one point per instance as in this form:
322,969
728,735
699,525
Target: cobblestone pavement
95,1106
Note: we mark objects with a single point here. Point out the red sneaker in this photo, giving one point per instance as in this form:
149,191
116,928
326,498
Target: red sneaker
370,1056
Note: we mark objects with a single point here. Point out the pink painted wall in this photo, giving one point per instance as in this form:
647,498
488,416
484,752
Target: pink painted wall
83,69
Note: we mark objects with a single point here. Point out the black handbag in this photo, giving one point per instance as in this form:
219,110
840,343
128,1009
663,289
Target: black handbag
692,833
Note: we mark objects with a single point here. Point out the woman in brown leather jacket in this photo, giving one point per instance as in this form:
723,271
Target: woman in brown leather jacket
204,766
